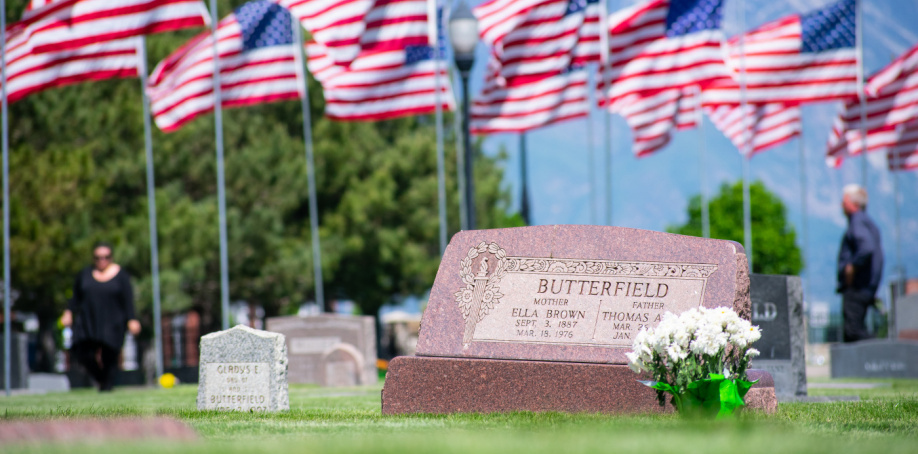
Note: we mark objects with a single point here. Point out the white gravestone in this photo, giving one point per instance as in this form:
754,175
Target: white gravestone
243,369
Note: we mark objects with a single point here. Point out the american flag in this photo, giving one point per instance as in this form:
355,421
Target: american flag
388,79
891,100
767,124
28,72
799,58
664,44
899,141
544,37
72,24
904,154
336,24
529,105
654,117
497,18
380,85
258,64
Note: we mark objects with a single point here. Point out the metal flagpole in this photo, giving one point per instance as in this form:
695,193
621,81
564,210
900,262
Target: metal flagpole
591,148
310,167
7,338
607,118
460,158
747,142
221,183
609,167
524,191
457,130
433,27
804,191
151,204
702,166
900,269
859,36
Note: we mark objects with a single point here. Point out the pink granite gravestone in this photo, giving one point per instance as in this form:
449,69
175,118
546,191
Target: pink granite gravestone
540,318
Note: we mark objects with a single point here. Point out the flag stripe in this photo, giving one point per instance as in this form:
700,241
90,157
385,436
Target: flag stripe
528,105
770,124
653,118
69,24
29,73
336,24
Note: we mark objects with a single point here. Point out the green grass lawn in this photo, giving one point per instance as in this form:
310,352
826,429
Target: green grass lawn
348,420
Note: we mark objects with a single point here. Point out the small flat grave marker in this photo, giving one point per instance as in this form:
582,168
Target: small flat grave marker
875,358
243,369
95,430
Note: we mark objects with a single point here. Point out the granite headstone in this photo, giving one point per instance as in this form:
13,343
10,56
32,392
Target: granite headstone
540,318
329,349
777,308
243,369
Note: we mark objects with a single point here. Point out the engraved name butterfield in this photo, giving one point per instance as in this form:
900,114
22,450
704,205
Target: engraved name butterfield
569,301
237,386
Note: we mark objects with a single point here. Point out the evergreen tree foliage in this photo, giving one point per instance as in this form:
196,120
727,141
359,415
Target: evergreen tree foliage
77,176
774,248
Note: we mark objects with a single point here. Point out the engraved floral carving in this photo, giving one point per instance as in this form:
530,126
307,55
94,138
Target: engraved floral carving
482,291
610,268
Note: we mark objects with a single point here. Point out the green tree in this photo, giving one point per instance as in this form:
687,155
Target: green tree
78,176
774,248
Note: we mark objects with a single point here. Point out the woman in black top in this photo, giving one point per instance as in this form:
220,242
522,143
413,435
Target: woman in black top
101,310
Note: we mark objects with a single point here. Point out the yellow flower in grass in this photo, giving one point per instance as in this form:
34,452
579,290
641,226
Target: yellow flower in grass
167,380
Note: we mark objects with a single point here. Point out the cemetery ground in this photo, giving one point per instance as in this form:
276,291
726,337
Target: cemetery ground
348,420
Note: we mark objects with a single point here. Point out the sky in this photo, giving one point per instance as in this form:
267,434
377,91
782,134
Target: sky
653,192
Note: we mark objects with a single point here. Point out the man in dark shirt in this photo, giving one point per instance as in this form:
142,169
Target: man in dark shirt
860,263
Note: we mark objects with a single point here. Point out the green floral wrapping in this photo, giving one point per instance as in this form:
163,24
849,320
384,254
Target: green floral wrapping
717,396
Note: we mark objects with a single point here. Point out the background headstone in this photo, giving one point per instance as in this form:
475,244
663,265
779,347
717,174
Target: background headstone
243,369
19,361
520,318
329,349
398,334
906,313
875,358
777,308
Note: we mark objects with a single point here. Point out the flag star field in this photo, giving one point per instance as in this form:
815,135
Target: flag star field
264,24
688,16
829,28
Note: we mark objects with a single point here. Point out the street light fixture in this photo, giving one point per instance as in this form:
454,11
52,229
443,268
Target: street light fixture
463,33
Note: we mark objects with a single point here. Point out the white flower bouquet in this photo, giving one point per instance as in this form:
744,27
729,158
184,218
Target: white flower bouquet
700,357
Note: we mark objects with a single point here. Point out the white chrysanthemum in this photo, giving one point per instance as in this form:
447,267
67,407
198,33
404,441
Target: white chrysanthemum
703,333
738,340
634,362
676,353
721,340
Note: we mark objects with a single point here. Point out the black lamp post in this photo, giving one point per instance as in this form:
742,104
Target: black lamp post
463,33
